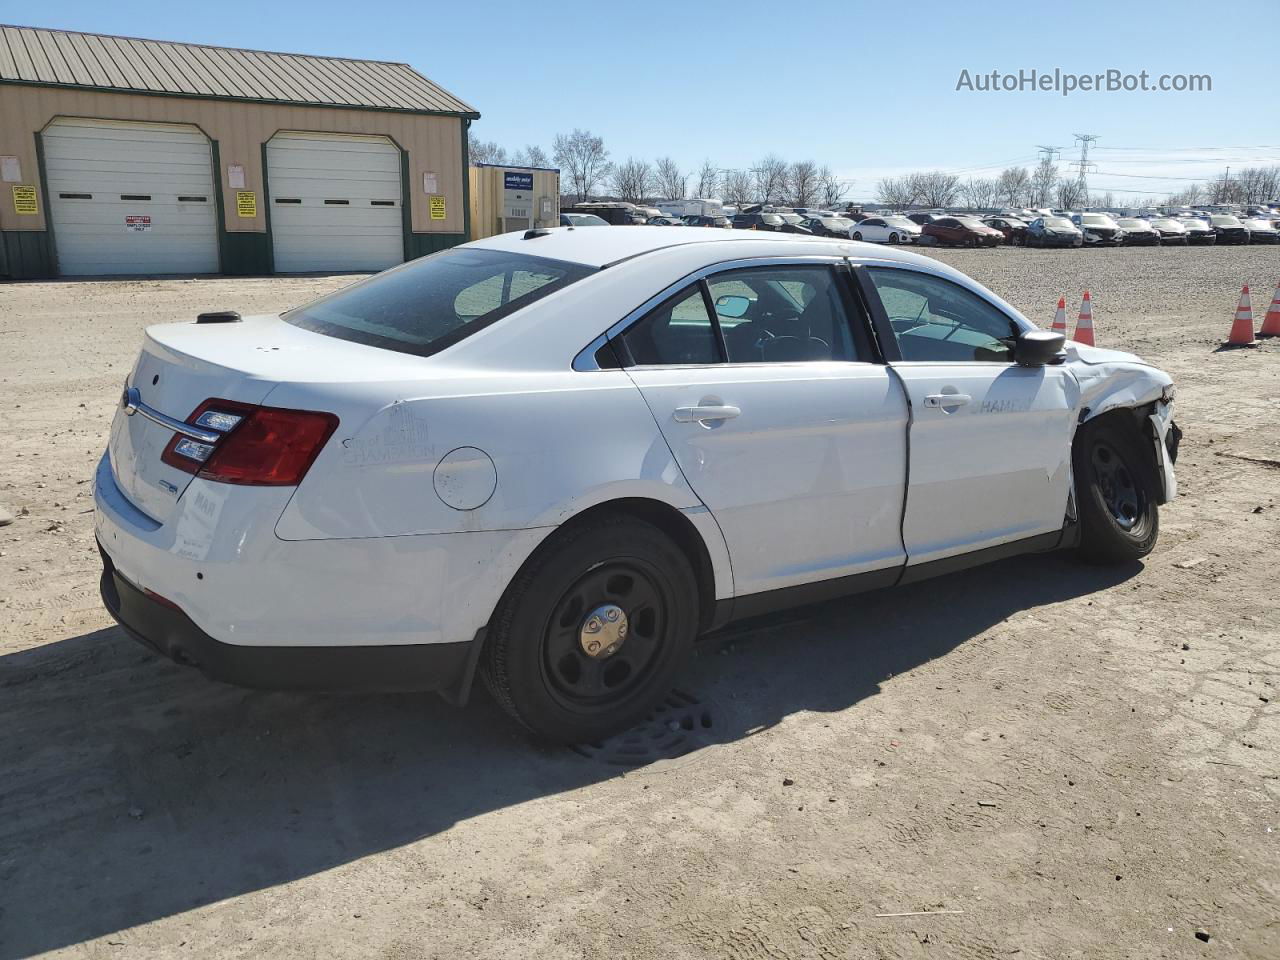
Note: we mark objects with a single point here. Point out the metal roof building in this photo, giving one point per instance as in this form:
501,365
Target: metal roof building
127,156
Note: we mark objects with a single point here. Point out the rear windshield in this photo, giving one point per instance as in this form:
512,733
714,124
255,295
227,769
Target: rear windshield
427,305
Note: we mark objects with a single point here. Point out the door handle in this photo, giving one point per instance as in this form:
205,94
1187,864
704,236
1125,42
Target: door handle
946,399
710,412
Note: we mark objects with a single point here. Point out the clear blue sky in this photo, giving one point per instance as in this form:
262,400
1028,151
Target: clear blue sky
869,88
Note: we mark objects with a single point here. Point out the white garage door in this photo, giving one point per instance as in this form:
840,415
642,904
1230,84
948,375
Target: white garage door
130,197
335,202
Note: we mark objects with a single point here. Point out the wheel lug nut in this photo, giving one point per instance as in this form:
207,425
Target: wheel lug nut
593,646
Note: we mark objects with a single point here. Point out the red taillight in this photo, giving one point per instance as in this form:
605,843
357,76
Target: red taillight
266,446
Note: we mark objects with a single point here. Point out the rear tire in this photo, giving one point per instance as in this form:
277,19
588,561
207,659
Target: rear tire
1116,489
536,663
893,238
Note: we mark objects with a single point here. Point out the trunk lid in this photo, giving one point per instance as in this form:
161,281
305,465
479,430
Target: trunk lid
183,364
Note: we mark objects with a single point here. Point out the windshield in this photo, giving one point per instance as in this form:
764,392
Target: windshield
899,222
1224,221
1097,220
837,223
1130,223
1167,224
1057,223
970,222
432,303
770,218
586,220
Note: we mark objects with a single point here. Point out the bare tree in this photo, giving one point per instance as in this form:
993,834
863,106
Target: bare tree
1043,183
738,187
531,156
484,151
632,180
708,180
896,192
1258,184
979,192
938,189
830,189
1013,187
802,183
1071,193
770,179
671,182
1187,197
583,156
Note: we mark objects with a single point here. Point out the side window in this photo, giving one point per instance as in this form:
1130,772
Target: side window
680,331
782,314
936,320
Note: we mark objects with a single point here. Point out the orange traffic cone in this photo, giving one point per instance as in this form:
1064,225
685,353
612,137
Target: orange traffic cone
1271,322
1060,318
1242,326
1084,325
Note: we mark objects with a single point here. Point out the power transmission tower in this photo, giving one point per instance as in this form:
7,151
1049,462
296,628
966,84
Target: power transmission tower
1048,153
1083,166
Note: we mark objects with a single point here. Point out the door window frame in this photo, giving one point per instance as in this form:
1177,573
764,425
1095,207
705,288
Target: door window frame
887,339
852,299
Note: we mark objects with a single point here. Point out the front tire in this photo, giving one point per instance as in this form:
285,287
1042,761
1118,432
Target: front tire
857,235
588,582
893,238
1117,489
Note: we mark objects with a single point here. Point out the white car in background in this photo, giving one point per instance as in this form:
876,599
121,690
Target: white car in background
556,458
886,230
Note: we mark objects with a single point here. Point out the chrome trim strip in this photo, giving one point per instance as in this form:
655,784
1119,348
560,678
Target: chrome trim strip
132,403
586,359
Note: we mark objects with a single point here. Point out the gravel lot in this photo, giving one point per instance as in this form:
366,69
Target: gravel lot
1078,762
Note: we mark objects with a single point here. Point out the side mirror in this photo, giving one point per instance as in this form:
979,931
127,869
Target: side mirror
1036,348
732,307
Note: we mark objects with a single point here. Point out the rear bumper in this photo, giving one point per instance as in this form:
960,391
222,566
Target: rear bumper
165,629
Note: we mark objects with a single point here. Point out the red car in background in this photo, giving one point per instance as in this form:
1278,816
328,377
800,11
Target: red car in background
962,232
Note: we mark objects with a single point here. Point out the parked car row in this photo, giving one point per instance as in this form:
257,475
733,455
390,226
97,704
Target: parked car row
1013,228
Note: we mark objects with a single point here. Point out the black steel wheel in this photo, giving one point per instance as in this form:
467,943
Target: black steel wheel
1117,489
593,630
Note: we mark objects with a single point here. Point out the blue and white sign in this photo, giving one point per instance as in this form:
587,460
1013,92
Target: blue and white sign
517,181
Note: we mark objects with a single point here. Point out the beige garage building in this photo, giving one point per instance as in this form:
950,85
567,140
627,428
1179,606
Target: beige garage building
127,156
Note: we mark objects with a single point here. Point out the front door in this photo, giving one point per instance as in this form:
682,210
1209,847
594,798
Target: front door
990,441
793,439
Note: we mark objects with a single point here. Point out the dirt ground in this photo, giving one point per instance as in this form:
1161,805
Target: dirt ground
1075,762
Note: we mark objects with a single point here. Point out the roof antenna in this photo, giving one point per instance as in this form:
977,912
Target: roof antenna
537,232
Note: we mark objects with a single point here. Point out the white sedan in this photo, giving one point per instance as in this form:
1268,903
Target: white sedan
886,230
556,458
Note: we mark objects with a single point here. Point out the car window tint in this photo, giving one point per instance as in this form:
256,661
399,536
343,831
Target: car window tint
791,314
936,320
678,332
429,304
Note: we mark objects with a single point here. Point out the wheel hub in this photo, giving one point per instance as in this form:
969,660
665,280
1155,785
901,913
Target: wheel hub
603,631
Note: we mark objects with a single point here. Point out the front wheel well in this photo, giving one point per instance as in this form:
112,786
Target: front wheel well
676,526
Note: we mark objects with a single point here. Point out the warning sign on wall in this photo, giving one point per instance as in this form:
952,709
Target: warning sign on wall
246,203
138,223
436,205
24,201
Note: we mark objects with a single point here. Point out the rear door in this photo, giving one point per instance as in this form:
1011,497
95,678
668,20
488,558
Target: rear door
768,397
990,441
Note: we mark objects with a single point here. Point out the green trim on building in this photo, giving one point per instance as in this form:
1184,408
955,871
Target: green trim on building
406,202
270,242
26,255
466,178
422,244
